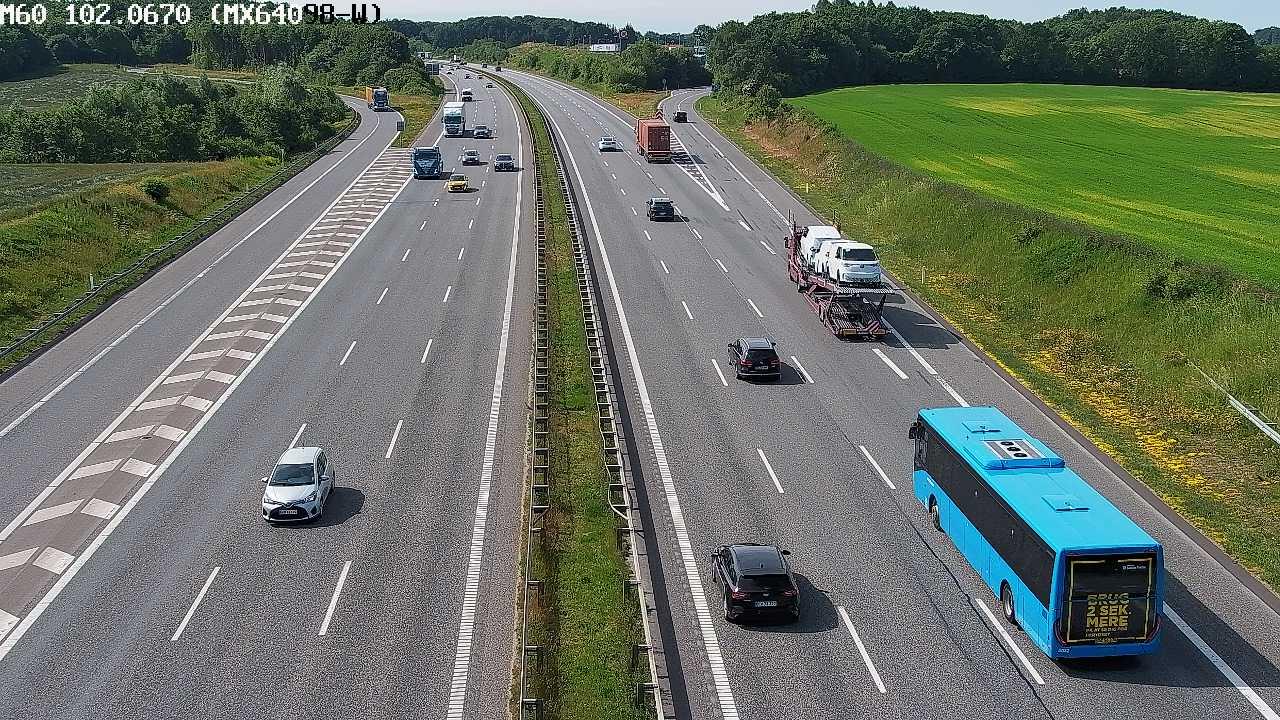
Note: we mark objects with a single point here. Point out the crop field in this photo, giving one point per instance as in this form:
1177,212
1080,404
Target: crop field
22,186
1194,173
56,89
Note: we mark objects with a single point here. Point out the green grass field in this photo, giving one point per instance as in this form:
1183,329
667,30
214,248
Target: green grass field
24,186
1194,173
60,87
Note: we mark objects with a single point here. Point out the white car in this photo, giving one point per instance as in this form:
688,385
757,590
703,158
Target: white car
848,262
608,144
299,486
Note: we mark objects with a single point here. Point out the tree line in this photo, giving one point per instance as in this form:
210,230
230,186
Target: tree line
839,42
506,31
166,119
644,65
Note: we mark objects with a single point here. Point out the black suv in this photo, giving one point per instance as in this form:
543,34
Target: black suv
660,208
756,580
680,116
755,357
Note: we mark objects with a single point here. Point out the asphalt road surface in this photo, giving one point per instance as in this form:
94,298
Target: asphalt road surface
896,624
355,309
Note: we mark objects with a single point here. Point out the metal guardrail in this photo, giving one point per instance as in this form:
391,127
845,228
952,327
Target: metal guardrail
1252,414
170,250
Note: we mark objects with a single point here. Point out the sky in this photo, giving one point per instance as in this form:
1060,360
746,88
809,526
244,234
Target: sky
683,15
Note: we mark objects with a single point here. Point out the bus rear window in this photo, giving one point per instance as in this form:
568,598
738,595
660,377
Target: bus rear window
1109,598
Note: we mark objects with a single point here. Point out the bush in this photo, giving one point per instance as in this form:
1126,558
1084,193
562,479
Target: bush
156,189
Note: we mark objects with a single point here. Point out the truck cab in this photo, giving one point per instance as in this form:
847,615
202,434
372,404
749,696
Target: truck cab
377,99
426,162
454,118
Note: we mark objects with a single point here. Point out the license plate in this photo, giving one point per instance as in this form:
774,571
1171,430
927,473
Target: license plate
762,367
289,511
766,603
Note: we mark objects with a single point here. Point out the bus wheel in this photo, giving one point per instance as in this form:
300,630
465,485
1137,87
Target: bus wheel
1006,604
935,515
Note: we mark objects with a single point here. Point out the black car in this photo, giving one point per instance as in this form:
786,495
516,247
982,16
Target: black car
660,208
680,116
756,580
755,357
503,161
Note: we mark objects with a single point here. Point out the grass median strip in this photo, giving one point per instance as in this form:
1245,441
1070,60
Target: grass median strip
587,621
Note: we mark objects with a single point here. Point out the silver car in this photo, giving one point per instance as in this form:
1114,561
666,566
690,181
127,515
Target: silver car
299,486
608,144
470,157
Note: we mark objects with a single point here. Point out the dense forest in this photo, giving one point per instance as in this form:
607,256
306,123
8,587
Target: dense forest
1267,36
506,31
163,119
840,42
642,66
23,53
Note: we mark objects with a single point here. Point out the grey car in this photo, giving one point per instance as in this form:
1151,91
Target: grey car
299,486
481,131
470,157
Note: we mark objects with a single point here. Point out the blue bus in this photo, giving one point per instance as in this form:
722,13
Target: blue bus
1080,577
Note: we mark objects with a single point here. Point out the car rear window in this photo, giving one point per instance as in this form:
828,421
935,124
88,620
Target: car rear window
755,583
761,355
661,204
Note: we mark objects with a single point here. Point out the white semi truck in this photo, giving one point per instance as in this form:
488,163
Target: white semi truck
454,118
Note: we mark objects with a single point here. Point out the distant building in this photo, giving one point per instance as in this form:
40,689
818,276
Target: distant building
606,47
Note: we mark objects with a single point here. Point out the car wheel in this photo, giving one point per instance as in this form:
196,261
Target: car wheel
1007,606
935,515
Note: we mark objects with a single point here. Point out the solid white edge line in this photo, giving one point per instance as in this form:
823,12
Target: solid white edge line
722,267
333,601
897,370
716,365
347,354
876,465
910,348
1008,641
711,644
768,467
111,346
951,391
862,650
394,437
803,373
191,611
17,633
686,309
294,443
1232,676
475,558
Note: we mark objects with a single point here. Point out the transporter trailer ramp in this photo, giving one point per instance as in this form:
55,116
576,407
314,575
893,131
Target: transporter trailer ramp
848,311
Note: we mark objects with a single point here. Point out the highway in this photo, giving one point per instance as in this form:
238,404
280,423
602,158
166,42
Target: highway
356,309
896,624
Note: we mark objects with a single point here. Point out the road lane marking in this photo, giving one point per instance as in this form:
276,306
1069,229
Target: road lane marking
722,267
897,370
191,611
156,310
333,601
382,296
446,293
1008,641
427,351
633,211
460,251
711,644
52,512
406,255
622,190
423,226
471,223
1231,675
695,232
716,365
910,348
803,373
876,465
647,235
53,560
766,247
744,225
686,309
347,354
294,442
769,468
664,267
475,558
753,307
394,436
862,650
951,391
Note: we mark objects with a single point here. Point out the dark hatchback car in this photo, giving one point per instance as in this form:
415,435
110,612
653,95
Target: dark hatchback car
755,357
680,116
756,580
660,208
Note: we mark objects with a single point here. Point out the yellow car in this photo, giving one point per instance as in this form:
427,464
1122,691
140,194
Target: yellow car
456,183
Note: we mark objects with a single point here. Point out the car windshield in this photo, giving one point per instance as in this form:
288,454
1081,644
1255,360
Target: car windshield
291,475
756,583
503,158
863,254
471,153
606,140
457,177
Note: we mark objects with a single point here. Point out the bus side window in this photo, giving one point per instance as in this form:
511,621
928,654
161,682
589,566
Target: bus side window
921,437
